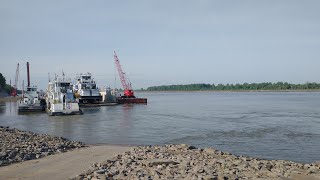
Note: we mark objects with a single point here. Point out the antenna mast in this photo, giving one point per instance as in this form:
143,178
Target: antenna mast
28,74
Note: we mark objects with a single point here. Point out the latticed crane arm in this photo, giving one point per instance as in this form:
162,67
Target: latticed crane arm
126,84
15,85
124,81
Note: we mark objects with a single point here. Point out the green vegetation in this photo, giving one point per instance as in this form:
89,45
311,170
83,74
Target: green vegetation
2,81
279,86
3,86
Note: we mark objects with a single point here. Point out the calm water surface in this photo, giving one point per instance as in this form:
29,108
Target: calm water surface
270,125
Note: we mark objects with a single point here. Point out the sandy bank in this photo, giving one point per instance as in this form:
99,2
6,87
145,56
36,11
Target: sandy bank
39,156
27,155
63,165
156,162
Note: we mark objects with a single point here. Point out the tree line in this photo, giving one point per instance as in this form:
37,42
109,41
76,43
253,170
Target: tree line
237,87
4,87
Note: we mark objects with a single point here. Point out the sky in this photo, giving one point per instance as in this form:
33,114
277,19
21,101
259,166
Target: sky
162,42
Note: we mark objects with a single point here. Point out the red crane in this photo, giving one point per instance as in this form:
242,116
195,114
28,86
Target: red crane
126,84
15,85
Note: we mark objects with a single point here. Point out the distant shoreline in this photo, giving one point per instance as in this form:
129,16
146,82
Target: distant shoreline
9,99
302,90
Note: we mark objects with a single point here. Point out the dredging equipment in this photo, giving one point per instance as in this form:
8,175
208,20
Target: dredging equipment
15,85
128,96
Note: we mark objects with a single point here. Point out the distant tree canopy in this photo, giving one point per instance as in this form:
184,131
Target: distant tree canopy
2,81
3,86
236,87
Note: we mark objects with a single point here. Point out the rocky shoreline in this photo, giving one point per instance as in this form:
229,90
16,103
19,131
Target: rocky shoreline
17,146
178,161
188,162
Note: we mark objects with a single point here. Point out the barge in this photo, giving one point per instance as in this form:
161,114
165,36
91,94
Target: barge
123,100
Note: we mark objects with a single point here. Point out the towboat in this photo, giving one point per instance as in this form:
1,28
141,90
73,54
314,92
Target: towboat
60,98
30,101
86,89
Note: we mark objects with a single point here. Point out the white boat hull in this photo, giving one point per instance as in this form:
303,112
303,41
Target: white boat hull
64,109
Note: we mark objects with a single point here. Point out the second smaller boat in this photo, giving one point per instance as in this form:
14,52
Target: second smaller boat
30,101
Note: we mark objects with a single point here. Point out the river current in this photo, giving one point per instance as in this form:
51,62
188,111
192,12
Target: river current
269,125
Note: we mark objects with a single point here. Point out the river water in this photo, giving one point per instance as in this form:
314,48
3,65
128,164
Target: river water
269,125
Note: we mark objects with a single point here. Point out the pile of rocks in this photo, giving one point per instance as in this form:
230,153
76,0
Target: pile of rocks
17,146
188,162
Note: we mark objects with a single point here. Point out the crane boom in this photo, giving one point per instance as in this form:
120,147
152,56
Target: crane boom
15,85
126,84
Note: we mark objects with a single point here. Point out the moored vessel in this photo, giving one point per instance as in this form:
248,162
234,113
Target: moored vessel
60,98
30,101
86,89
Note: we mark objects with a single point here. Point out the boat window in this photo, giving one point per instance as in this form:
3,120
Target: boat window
70,96
31,89
85,77
64,84
63,90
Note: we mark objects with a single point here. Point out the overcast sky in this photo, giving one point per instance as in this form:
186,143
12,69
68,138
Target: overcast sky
163,42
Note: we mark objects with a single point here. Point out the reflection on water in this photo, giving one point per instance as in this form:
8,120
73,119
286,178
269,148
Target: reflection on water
9,108
265,125
2,108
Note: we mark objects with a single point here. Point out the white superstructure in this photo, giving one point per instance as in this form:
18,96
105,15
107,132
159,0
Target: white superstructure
30,100
86,89
60,98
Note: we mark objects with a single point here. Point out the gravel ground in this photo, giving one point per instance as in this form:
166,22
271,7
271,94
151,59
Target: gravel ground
188,162
155,162
17,146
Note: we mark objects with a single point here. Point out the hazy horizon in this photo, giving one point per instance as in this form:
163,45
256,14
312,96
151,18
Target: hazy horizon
162,42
